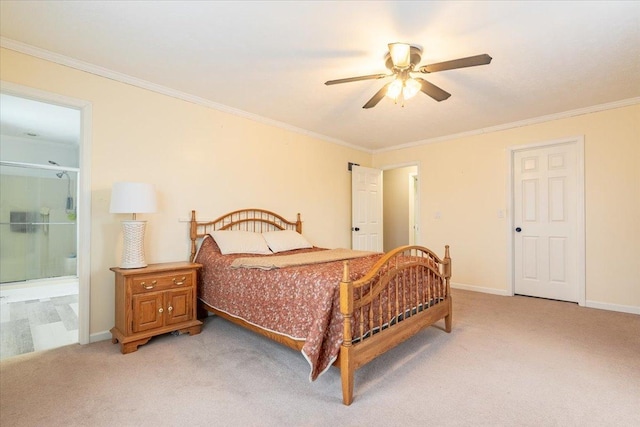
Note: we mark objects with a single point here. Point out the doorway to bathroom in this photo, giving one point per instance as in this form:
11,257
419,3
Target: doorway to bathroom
39,189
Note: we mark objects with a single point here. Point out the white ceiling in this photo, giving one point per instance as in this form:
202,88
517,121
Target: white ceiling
269,60
26,118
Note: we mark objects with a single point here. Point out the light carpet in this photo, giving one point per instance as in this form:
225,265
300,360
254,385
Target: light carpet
510,361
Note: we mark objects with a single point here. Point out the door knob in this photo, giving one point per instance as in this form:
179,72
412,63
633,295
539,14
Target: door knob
518,229
355,228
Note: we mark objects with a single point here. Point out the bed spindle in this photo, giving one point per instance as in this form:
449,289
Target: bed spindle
396,301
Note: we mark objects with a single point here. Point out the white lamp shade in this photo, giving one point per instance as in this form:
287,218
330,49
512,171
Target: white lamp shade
133,197
394,89
411,88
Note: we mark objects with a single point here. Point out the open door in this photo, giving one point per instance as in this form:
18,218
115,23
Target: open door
366,209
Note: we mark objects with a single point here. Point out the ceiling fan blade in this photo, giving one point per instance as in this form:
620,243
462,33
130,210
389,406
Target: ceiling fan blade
355,79
432,90
470,61
377,97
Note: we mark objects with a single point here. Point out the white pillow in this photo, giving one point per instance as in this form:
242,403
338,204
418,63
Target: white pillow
285,240
240,242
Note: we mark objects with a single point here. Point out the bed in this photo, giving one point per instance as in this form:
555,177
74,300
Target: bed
338,307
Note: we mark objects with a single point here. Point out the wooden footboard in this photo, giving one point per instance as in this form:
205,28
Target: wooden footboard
405,291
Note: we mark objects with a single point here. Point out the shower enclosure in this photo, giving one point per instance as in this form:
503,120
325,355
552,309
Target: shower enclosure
38,227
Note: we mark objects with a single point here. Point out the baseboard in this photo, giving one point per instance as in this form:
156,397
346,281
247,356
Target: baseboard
590,304
613,307
493,291
100,336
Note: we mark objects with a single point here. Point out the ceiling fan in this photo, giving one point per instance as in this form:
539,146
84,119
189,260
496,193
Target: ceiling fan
402,60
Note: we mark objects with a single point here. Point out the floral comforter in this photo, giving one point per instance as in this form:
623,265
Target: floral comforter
301,302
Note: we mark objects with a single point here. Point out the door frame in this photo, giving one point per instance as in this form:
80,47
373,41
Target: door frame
414,208
84,193
580,211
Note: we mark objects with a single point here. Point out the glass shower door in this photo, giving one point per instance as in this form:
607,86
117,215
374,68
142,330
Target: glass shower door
38,227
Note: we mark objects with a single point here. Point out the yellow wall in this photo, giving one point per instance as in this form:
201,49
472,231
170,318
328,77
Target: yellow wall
396,206
465,180
198,158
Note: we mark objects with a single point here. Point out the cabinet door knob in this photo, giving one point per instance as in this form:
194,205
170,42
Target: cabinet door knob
181,282
151,286
170,309
160,310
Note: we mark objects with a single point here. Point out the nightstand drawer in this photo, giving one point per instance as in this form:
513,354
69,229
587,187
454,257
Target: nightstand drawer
156,282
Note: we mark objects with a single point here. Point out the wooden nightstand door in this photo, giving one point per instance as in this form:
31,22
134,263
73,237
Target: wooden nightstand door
148,311
178,305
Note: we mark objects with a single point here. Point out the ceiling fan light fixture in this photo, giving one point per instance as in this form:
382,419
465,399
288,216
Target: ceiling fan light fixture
411,88
408,88
395,89
400,54
401,61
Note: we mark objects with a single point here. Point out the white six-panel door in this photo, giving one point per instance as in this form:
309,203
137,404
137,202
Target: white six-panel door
545,219
366,209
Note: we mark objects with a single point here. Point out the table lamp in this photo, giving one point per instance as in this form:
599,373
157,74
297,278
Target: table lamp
133,198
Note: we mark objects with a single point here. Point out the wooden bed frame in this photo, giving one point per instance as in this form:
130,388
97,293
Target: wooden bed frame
354,295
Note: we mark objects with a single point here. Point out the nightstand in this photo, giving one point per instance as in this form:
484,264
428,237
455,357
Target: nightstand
154,300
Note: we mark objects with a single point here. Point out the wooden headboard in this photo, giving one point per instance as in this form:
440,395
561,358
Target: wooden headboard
255,220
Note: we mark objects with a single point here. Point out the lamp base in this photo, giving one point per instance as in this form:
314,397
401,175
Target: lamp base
133,246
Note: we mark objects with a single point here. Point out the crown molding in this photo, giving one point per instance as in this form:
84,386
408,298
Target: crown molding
144,84
512,125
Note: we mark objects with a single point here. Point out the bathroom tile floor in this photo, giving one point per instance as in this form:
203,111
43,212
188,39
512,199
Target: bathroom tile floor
36,318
